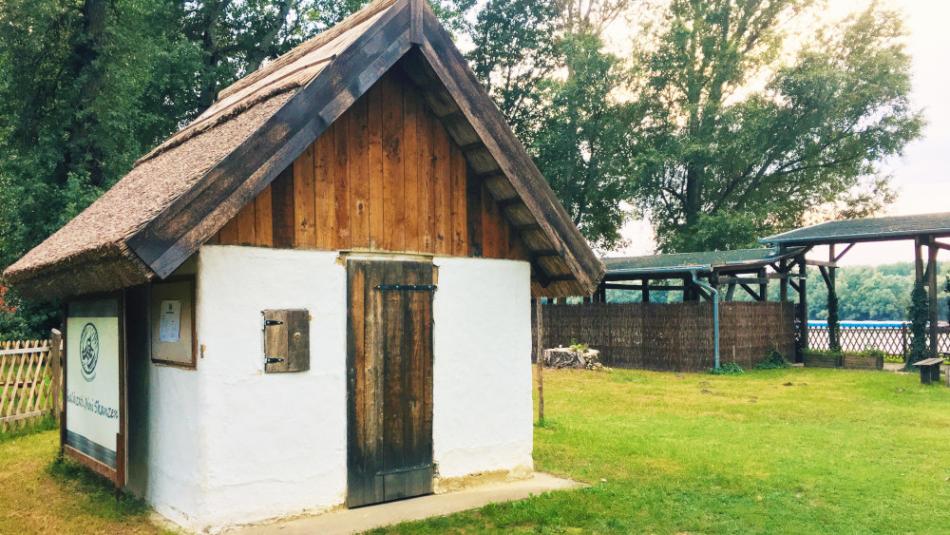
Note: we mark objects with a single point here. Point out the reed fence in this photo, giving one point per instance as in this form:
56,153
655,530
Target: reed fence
30,375
672,336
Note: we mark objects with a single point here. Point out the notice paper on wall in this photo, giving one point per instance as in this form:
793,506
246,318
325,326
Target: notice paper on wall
170,324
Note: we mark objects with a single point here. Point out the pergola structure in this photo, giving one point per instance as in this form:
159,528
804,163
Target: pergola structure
702,275
925,230
743,268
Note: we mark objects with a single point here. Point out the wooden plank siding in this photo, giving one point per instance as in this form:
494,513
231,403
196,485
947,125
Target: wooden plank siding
385,176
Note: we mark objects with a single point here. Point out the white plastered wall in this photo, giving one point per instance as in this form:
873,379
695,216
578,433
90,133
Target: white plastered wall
231,445
482,412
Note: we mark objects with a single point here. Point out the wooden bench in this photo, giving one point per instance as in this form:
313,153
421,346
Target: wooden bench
929,369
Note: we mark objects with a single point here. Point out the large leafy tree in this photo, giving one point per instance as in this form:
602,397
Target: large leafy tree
546,66
741,140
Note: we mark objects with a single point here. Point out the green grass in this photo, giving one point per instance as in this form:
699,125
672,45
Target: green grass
778,451
39,494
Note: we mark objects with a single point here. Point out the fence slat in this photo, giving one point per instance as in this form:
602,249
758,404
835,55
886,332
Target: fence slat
25,393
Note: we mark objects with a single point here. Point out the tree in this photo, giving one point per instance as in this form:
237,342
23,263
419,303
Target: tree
546,66
729,159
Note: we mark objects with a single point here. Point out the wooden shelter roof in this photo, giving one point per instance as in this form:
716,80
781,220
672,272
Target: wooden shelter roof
864,230
182,192
667,265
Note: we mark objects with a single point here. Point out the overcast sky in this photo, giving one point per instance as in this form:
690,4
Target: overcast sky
922,175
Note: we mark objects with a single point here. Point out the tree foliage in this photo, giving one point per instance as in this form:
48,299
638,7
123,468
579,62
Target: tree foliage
546,65
729,158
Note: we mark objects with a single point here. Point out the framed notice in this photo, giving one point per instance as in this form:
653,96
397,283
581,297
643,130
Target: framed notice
172,319
94,386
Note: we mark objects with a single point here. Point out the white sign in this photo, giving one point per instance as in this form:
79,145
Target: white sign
92,379
170,324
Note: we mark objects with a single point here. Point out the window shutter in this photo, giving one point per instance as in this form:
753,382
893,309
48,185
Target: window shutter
286,340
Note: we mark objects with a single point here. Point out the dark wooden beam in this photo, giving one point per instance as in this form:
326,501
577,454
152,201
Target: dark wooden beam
655,287
505,203
535,254
475,145
748,289
932,296
802,309
836,257
742,280
824,274
456,115
820,263
782,270
527,227
416,12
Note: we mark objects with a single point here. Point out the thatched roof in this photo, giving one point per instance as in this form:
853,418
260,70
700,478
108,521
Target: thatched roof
183,191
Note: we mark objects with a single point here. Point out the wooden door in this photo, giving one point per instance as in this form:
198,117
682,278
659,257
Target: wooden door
389,362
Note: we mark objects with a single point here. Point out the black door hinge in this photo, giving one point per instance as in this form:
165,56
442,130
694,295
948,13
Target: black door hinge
406,287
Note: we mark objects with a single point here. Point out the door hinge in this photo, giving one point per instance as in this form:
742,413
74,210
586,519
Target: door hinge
406,287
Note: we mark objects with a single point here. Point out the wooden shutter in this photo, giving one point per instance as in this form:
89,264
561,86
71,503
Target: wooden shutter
286,340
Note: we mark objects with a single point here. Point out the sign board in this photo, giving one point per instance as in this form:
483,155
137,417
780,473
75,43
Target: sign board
94,392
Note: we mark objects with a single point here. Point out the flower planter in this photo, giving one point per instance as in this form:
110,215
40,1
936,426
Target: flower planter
822,360
862,362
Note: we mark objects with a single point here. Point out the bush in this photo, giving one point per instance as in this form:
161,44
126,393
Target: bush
729,368
773,361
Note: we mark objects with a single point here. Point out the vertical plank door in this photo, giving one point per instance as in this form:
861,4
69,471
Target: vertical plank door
389,362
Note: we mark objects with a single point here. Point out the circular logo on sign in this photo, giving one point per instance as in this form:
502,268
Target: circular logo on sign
89,351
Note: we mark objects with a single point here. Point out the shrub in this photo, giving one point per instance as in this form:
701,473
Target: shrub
773,361
729,368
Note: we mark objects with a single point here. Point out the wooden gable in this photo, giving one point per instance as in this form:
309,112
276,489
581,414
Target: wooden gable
385,176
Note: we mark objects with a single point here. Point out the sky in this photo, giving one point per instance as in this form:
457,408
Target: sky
922,175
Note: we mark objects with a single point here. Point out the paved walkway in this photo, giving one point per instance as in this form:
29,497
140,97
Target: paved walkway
365,518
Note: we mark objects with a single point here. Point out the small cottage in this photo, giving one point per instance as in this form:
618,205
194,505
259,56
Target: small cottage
316,294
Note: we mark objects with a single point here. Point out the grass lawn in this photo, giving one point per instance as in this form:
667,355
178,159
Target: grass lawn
39,495
782,451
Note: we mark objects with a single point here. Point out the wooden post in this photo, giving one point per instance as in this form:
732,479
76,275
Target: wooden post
763,285
56,370
539,357
802,309
932,297
834,332
645,291
783,282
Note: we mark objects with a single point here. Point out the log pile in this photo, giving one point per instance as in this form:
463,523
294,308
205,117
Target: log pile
580,358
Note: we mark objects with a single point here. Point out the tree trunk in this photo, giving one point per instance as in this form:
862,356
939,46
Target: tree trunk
694,188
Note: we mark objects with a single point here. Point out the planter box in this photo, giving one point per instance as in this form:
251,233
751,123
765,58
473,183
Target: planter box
817,360
858,362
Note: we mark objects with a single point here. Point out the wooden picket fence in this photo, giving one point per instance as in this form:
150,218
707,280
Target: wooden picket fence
30,375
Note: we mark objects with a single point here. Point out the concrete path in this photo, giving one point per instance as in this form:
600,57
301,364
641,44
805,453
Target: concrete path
365,518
